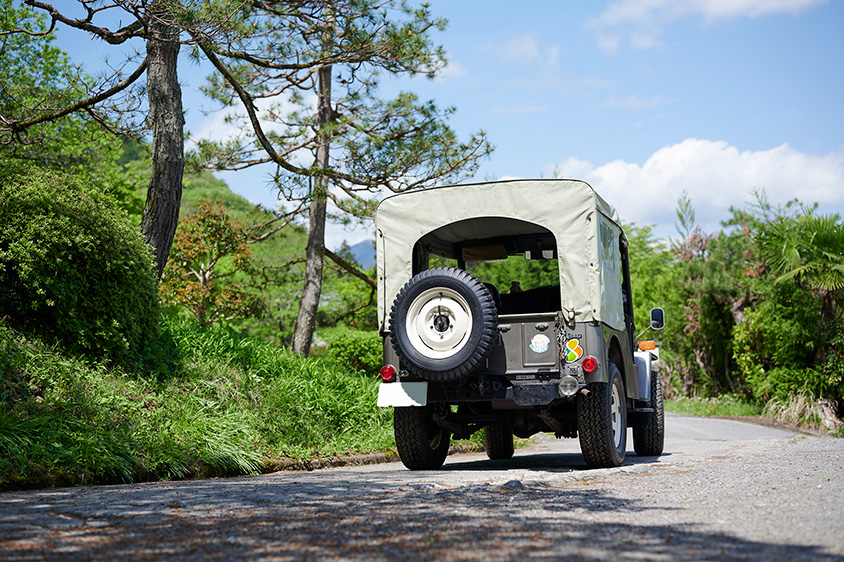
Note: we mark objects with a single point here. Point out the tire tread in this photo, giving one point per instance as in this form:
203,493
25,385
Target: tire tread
411,431
498,441
594,426
649,441
488,322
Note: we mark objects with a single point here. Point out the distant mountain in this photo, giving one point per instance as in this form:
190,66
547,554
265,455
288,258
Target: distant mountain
364,253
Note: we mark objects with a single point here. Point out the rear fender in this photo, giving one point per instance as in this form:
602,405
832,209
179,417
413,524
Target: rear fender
644,362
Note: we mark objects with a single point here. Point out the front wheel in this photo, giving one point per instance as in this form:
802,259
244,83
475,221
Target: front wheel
649,441
498,441
421,442
602,422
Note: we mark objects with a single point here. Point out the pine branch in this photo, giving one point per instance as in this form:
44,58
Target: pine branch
350,268
18,126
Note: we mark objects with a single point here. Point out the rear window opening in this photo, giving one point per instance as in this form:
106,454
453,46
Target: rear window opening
516,259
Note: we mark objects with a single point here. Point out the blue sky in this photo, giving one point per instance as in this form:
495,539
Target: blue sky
641,98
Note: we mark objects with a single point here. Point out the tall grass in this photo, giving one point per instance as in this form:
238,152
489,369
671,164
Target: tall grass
230,404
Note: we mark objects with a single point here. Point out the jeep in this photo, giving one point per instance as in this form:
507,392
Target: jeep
554,351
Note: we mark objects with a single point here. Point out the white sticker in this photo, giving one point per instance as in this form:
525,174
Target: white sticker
539,343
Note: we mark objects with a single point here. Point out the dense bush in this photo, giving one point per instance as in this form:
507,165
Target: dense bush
783,349
356,349
72,268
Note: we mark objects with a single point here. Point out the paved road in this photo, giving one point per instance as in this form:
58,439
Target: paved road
724,490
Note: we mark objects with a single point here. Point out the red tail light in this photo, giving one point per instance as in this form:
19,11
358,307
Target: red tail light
590,364
388,373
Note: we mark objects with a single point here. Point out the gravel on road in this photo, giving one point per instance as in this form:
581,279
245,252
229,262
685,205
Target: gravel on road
772,496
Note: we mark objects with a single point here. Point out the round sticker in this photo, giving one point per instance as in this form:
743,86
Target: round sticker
539,343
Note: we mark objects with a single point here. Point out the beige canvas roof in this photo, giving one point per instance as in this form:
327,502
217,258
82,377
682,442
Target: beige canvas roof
585,229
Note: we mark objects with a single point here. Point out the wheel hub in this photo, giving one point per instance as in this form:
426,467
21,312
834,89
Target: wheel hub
439,323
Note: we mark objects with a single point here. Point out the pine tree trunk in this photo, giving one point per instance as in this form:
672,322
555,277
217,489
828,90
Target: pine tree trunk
161,211
306,320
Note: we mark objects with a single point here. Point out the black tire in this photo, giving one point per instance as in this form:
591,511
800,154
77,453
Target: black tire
498,441
422,444
649,441
602,422
443,323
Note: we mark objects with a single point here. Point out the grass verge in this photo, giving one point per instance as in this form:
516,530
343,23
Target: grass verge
727,405
228,404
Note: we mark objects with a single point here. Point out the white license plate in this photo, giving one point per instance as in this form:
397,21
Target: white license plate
402,394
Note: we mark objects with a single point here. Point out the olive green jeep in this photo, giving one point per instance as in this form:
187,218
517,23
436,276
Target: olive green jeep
553,351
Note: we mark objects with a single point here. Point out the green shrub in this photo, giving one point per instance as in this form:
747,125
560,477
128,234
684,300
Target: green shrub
776,348
72,268
355,349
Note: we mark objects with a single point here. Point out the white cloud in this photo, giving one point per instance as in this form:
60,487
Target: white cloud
451,71
525,49
716,176
641,21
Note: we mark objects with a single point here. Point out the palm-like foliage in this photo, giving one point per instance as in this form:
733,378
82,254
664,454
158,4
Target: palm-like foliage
808,249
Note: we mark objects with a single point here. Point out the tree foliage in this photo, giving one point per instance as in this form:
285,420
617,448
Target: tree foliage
72,268
209,250
36,80
111,100
306,75
754,309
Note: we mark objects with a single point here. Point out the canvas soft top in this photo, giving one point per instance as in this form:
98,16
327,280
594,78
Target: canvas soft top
583,228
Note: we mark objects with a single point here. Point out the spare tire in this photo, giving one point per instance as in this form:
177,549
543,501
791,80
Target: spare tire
443,323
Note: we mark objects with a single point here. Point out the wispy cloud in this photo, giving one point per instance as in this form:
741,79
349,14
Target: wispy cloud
634,101
526,49
640,22
452,71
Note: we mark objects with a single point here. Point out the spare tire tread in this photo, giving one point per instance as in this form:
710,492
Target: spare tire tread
483,332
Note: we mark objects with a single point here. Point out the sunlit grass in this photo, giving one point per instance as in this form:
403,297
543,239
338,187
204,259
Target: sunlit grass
727,405
229,404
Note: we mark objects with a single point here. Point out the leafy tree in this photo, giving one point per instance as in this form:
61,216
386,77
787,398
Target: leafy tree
702,284
210,248
776,346
35,77
313,70
808,249
108,98
804,249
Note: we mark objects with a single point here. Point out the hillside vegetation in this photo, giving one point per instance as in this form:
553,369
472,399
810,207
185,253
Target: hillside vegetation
220,403
747,325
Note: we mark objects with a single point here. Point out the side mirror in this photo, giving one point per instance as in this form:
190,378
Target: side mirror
657,318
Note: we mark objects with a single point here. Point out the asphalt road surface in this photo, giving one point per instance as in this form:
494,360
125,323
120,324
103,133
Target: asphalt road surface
723,490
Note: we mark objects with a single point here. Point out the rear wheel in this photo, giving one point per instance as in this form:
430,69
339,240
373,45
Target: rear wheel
498,441
648,441
602,422
421,442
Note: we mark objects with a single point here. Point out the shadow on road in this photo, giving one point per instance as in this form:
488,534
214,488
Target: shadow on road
547,462
377,517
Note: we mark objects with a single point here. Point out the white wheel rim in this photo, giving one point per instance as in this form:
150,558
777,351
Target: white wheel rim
615,416
438,323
